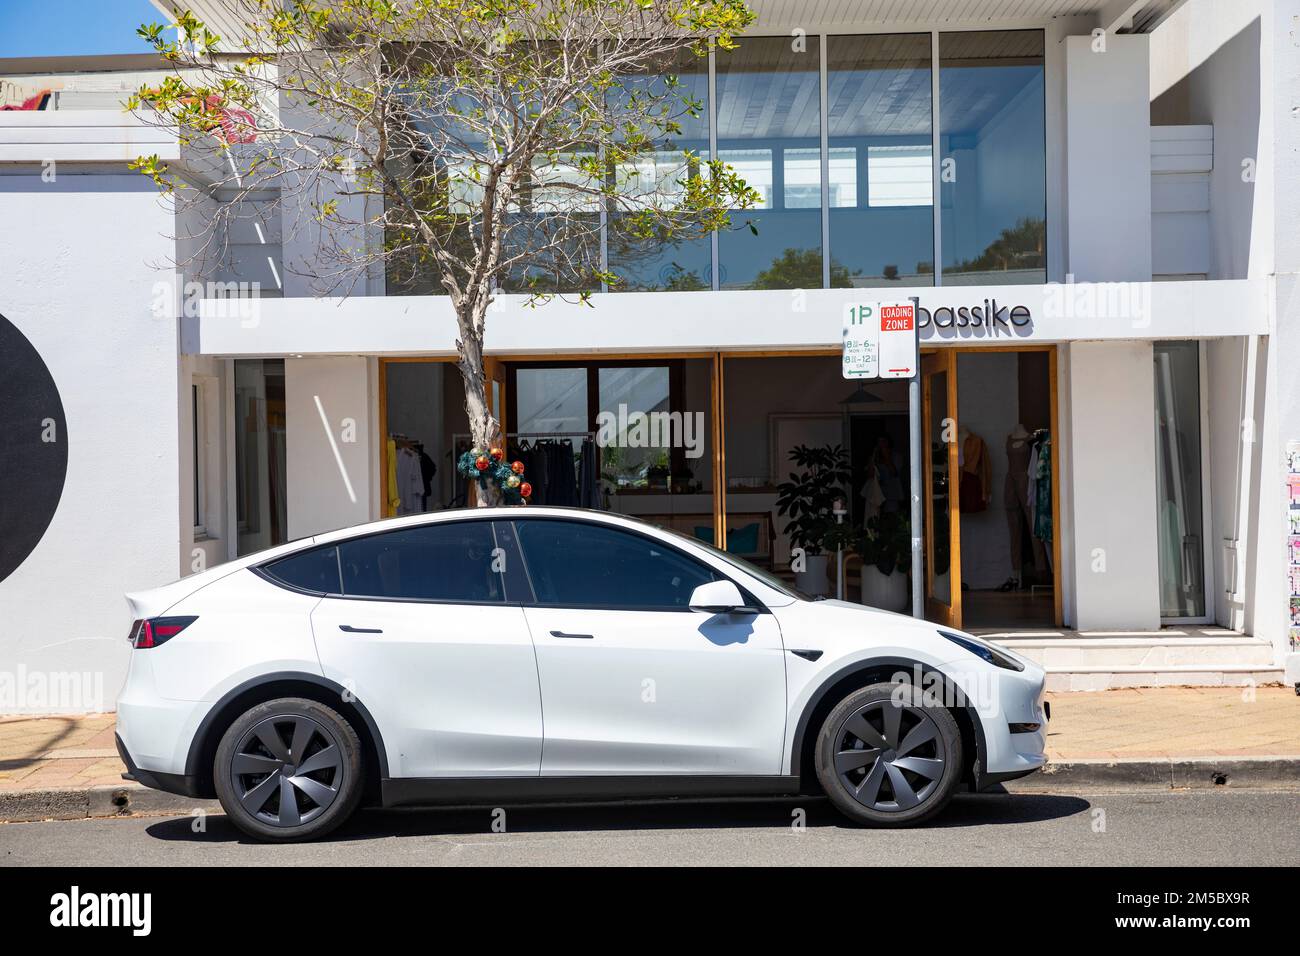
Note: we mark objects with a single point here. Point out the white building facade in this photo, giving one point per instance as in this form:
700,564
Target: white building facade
1089,199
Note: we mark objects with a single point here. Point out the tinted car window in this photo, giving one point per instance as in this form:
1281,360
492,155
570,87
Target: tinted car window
450,561
579,563
315,570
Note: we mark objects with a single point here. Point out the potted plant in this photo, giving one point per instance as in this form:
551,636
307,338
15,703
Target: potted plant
886,550
808,499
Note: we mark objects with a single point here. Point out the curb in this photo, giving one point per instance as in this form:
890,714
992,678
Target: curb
1166,773
28,806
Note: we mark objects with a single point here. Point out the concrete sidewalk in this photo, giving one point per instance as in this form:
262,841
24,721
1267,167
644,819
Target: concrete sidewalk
1163,736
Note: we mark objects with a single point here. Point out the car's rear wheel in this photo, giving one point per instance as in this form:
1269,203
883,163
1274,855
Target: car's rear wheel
289,770
888,757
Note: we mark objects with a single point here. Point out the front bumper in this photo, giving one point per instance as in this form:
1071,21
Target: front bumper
1000,698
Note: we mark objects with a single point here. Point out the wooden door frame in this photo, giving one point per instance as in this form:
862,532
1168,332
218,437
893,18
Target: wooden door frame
941,363
1054,426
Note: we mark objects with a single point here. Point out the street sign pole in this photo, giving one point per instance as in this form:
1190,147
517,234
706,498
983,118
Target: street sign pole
914,438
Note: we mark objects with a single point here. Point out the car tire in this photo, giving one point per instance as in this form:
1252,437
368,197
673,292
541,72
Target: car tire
292,749
866,772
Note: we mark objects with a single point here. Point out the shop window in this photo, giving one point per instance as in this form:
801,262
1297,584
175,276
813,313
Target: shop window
1179,488
992,136
260,498
879,127
424,421
198,457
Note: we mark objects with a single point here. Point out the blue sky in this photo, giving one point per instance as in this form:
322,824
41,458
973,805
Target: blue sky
73,27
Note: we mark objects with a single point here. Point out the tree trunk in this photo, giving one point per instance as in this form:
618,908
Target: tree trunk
484,429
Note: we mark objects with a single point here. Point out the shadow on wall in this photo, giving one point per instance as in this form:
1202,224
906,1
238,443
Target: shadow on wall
1224,91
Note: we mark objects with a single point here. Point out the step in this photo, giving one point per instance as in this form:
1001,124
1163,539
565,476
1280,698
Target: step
1149,655
1203,649
1104,678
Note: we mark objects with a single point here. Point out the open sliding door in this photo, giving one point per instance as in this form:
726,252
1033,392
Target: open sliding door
940,469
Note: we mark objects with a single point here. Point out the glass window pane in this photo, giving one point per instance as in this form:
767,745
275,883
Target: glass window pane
769,129
1178,470
582,564
316,570
260,454
658,262
549,400
879,129
452,561
993,156
635,430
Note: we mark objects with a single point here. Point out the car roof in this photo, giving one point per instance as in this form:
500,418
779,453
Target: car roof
497,512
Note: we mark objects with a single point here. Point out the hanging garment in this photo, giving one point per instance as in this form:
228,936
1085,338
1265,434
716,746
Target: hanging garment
410,482
975,484
427,470
872,495
1015,497
1043,489
589,495
394,499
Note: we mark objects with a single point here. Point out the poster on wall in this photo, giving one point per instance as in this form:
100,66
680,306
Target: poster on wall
1293,538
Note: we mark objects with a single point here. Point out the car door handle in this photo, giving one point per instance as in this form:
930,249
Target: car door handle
582,637
360,630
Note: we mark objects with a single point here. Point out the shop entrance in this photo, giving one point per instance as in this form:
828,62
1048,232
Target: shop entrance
702,444
990,463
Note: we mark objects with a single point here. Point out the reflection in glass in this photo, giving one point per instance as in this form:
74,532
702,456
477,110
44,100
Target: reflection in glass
881,174
651,264
769,129
549,400
993,163
1178,470
635,455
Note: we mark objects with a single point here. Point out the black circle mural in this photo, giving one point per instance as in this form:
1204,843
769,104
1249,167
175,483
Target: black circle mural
33,448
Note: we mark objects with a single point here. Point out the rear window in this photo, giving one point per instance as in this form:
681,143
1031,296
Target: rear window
316,570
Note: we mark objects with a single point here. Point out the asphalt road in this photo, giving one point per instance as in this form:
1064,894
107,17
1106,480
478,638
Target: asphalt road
1242,827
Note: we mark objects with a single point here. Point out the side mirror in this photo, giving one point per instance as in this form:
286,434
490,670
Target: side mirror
719,597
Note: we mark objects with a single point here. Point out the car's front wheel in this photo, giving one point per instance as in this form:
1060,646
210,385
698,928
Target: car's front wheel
289,770
888,757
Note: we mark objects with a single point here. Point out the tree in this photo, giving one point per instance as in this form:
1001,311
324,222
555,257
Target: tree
801,269
476,142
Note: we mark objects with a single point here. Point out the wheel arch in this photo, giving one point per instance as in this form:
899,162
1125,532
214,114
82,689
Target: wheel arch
879,670
259,690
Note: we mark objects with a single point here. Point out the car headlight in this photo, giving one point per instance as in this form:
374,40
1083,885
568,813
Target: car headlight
986,651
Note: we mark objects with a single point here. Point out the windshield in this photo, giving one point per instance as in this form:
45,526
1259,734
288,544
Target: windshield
767,577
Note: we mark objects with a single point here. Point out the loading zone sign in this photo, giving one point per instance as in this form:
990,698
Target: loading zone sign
879,340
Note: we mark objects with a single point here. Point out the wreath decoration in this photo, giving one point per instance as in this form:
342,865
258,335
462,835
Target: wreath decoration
490,468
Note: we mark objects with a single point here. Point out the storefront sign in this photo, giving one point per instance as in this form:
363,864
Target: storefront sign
987,318
879,340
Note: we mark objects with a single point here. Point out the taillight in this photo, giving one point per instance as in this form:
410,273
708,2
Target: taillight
158,630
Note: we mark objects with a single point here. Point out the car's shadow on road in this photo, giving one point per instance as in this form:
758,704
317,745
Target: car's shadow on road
817,813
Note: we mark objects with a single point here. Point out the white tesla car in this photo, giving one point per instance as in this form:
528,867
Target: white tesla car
502,655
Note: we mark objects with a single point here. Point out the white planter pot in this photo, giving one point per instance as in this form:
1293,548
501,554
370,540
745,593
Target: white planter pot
888,592
812,580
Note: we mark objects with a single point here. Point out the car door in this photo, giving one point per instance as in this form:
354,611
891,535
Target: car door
423,632
633,681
